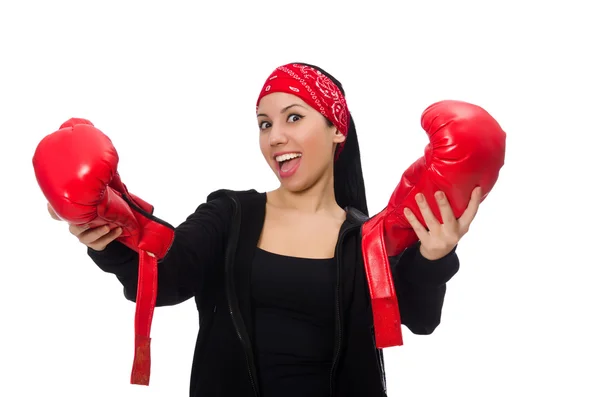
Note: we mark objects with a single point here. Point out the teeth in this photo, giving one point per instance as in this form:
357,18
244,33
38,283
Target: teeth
287,156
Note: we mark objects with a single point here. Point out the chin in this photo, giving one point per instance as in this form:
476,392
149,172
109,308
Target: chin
294,186
297,184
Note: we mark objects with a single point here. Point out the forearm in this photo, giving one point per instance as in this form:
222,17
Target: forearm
123,262
198,246
421,288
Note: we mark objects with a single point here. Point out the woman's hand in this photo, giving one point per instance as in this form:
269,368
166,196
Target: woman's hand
438,240
96,238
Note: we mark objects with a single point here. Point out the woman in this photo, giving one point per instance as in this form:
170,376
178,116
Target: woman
278,277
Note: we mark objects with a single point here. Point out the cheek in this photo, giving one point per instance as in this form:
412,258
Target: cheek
263,142
316,142
266,150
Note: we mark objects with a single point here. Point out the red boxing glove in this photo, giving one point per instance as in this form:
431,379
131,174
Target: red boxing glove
466,150
76,169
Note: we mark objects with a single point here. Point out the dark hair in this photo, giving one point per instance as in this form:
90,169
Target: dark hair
348,182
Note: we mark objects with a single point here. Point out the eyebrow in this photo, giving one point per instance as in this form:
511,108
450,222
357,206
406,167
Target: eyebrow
285,109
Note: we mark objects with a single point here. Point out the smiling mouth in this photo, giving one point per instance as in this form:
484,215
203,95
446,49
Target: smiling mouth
287,158
288,163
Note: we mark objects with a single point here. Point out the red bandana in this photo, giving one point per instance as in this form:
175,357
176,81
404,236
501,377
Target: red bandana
314,88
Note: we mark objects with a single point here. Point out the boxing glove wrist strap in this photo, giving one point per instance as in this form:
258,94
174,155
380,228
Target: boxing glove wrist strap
144,311
384,302
156,237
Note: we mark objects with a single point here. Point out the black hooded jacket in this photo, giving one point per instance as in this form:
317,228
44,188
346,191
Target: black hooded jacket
210,260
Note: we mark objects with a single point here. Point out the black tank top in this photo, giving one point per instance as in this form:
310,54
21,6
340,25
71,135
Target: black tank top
293,304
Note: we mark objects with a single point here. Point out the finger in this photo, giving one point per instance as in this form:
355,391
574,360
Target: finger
77,230
467,217
53,213
446,211
91,235
430,219
419,229
108,238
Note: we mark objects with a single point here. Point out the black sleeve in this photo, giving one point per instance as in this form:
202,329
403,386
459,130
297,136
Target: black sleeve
421,287
198,246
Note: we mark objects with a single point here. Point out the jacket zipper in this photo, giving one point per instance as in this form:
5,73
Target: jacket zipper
235,316
380,366
379,363
339,338
237,321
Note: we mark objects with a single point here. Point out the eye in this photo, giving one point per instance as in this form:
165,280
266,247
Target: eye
264,125
294,117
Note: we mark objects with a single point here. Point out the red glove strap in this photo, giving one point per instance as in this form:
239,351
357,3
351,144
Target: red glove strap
384,303
144,310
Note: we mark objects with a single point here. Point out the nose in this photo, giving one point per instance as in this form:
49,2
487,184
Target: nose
277,136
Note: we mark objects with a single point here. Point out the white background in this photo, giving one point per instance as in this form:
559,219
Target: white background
174,85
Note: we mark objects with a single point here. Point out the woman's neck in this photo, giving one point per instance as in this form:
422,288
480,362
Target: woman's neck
319,198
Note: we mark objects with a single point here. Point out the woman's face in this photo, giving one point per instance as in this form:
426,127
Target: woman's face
296,140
